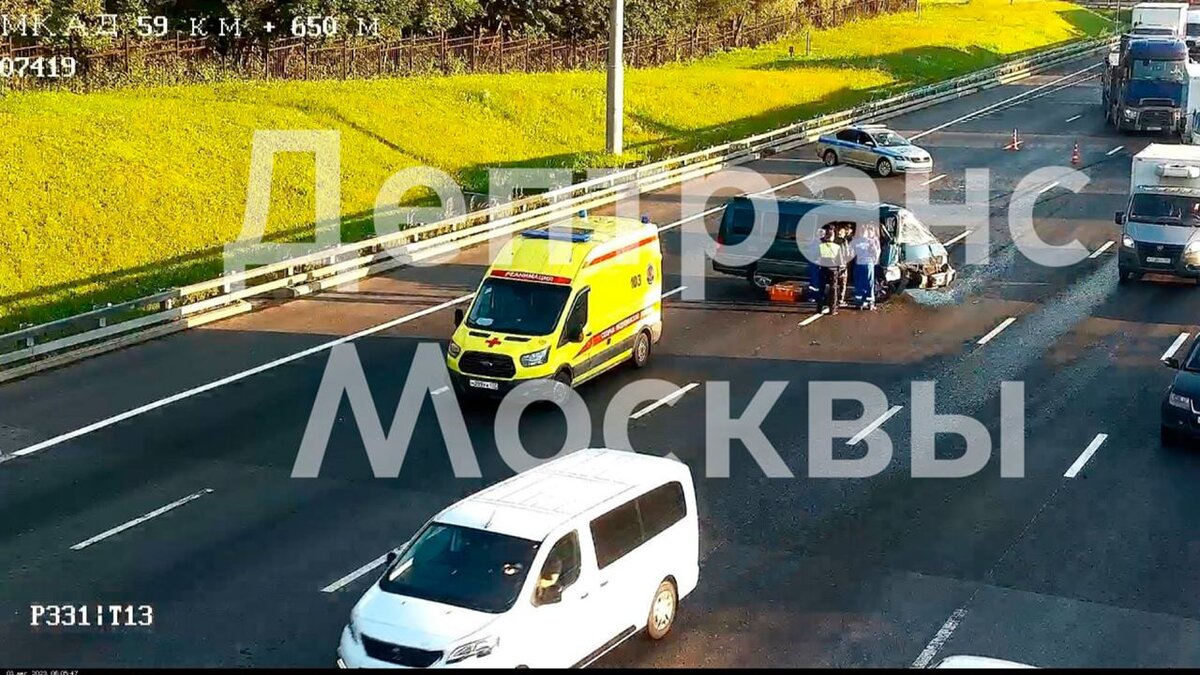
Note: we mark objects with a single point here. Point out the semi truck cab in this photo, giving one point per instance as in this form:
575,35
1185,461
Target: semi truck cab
1145,85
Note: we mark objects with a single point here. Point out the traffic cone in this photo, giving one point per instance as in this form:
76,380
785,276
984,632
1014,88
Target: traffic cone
1075,154
1015,143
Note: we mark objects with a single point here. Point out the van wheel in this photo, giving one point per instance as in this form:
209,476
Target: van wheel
662,610
884,167
562,387
761,281
641,350
830,158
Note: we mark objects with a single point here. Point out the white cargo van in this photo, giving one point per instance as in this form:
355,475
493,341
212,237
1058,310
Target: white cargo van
1161,223
553,567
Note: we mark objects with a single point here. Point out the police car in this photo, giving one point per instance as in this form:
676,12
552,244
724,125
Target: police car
873,146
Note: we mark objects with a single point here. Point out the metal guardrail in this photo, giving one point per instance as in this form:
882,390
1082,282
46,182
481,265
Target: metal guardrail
48,345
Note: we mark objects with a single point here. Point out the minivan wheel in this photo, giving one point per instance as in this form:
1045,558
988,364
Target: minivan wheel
830,158
641,350
884,167
662,611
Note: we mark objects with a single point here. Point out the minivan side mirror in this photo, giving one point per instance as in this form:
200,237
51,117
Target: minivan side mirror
391,557
1171,362
1119,218
458,317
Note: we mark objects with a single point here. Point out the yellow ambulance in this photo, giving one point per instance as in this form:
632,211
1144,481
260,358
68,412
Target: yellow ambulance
561,305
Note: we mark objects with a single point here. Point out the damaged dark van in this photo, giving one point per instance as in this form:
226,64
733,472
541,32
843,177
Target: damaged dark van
911,257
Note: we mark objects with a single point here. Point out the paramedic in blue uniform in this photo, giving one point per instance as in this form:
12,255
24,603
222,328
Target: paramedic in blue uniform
866,257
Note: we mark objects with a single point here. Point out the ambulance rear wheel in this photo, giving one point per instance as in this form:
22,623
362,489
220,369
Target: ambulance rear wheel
641,350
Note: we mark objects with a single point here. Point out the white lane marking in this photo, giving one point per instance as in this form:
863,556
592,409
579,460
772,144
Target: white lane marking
957,238
811,319
664,401
1072,119
62,438
933,180
1010,99
1096,254
440,390
939,640
350,578
670,293
1115,150
996,331
138,521
1175,346
690,218
1087,454
818,172
870,428
1049,186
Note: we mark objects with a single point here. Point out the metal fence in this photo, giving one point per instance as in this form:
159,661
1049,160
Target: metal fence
182,58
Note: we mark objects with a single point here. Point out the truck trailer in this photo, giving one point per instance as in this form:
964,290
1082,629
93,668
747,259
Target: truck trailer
1172,15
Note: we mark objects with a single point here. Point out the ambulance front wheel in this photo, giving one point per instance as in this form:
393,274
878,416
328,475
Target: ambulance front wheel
641,350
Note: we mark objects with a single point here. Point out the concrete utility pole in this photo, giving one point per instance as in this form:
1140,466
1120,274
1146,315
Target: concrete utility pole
616,77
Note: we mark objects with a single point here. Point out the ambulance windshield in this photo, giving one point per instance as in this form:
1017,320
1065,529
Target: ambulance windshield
518,307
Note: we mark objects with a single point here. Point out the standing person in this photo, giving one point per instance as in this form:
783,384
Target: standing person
866,257
845,253
830,253
816,287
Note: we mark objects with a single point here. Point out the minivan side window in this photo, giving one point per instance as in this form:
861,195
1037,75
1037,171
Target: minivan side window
616,533
637,521
661,508
560,570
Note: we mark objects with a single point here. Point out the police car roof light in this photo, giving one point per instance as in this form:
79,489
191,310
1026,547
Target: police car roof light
576,235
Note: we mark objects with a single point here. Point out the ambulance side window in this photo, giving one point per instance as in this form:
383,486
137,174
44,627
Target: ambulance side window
577,319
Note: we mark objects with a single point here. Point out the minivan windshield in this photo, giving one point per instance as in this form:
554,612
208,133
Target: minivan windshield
1163,71
518,307
463,567
1165,209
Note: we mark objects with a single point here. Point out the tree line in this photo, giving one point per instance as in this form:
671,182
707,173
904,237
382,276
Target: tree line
564,19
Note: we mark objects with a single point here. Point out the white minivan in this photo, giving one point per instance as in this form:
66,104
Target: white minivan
553,567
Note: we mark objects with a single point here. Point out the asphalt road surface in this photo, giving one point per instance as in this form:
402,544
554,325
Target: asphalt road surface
1087,564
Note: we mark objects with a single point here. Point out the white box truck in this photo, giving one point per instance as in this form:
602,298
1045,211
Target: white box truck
1161,222
1172,15
1193,29
1191,119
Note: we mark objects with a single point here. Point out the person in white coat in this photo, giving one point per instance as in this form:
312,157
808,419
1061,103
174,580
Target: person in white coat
866,258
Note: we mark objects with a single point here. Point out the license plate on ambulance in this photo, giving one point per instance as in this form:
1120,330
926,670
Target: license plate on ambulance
1164,261
483,384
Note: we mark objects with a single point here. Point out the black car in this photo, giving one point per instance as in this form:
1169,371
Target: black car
1180,415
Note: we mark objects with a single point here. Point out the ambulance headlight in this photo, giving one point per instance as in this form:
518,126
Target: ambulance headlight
535,358
454,349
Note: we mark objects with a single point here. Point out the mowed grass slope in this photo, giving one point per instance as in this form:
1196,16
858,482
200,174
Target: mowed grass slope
108,196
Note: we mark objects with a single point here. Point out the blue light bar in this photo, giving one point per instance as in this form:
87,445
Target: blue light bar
575,234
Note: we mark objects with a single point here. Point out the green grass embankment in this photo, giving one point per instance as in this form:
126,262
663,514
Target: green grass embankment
108,196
